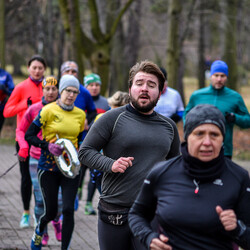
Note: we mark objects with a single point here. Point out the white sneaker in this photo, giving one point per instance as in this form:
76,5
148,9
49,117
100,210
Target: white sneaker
25,221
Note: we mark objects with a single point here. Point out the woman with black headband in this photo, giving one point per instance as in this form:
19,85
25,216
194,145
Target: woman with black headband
201,199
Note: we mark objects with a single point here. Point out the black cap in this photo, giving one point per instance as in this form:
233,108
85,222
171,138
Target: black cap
204,114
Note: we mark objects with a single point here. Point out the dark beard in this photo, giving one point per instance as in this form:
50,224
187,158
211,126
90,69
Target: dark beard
143,109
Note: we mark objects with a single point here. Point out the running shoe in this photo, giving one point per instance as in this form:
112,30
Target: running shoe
36,242
45,239
58,229
25,221
89,210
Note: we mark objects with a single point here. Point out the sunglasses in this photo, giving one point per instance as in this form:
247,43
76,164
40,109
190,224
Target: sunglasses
69,91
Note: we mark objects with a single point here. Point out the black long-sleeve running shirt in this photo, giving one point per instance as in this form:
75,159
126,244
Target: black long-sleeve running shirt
124,132
187,217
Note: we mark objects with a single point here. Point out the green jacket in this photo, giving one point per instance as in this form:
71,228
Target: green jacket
226,100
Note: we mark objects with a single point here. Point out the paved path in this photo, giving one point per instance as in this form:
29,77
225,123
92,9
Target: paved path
12,237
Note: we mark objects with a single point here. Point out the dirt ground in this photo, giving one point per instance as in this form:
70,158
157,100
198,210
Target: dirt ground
242,143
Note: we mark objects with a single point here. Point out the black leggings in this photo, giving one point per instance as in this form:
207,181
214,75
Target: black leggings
82,175
26,184
113,237
91,189
49,183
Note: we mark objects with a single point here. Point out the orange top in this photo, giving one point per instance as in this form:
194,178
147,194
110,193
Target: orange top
17,102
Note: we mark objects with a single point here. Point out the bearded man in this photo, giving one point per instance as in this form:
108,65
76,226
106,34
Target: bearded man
133,138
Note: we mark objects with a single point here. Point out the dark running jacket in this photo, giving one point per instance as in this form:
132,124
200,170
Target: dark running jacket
188,218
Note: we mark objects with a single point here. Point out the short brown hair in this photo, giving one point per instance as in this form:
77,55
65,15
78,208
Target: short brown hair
147,67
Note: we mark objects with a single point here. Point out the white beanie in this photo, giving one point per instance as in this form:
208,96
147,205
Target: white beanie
68,81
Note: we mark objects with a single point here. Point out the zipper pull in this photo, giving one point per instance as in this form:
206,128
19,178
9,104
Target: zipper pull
196,186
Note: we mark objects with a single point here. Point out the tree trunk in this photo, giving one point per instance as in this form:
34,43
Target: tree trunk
116,81
75,35
181,70
61,43
173,49
2,34
99,59
17,60
118,43
201,61
50,37
230,43
96,50
133,39
128,44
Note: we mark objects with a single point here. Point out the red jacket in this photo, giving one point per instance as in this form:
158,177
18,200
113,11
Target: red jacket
17,102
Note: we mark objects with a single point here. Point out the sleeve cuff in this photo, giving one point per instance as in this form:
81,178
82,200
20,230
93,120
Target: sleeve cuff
23,152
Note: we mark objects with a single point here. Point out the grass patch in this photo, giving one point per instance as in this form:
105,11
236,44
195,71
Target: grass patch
7,141
242,155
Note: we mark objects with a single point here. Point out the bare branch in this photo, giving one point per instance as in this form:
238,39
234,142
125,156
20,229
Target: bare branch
95,27
117,20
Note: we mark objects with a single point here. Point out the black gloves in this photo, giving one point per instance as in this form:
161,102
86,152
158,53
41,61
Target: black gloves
3,88
29,102
230,117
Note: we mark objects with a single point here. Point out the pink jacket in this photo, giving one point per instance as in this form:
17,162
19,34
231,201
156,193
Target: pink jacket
27,119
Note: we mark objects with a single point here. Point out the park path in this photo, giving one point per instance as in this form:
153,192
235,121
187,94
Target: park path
12,237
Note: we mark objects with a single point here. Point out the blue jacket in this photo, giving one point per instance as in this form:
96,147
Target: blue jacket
85,102
6,87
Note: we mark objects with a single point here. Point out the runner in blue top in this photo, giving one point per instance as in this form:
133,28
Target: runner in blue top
6,87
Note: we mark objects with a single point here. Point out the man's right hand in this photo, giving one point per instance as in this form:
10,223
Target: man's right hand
120,165
230,117
160,243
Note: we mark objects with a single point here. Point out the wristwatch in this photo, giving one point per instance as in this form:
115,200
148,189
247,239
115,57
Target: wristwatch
242,228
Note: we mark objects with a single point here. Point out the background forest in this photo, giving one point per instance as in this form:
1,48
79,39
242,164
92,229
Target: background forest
109,36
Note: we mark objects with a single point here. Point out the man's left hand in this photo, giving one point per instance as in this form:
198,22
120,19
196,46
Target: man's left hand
227,217
230,117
